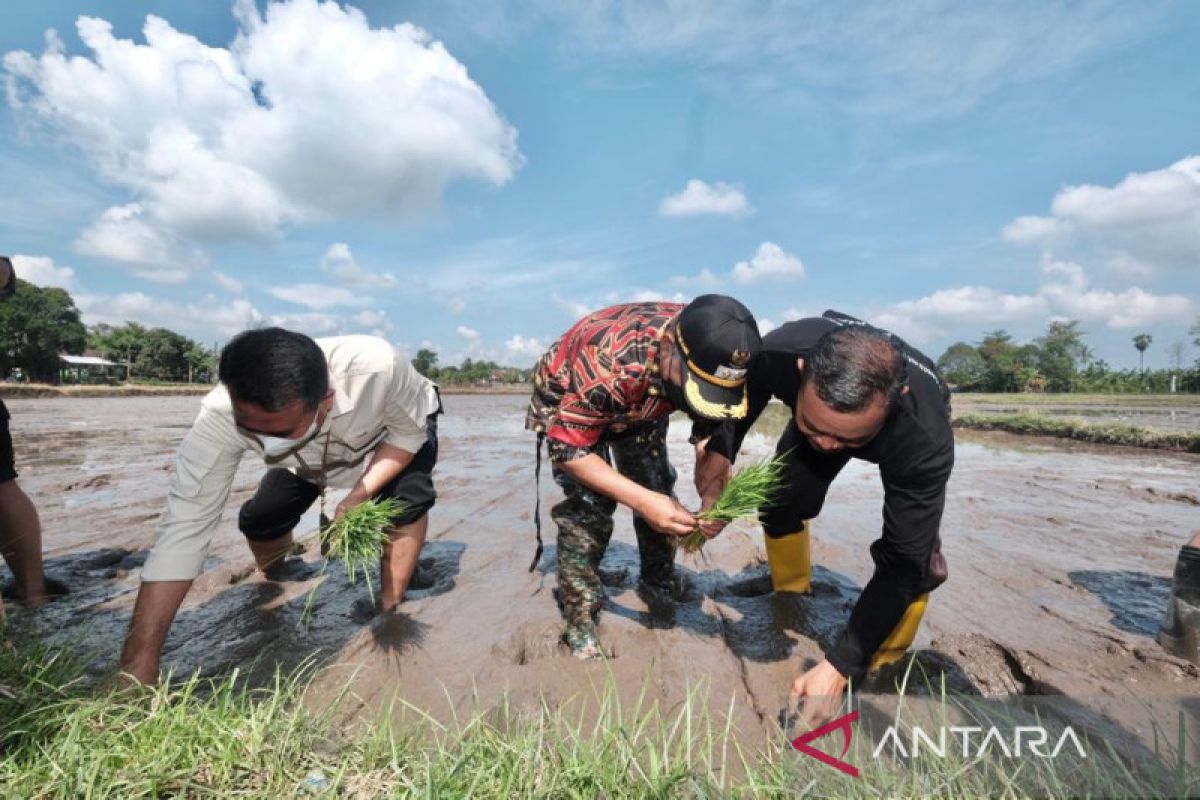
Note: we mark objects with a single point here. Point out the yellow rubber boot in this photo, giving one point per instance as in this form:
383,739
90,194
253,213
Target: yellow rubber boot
896,644
790,562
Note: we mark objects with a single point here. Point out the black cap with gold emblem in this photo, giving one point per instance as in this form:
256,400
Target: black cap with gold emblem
718,339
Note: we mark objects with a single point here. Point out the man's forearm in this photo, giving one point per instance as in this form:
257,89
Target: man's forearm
712,474
387,462
595,473
153,613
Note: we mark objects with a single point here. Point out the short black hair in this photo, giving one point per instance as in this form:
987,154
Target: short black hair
849,367
272,368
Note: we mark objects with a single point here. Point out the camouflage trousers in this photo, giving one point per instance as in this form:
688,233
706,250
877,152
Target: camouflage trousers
585,523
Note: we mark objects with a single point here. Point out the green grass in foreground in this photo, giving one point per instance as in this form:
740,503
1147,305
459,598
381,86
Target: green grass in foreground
59,737
1098,433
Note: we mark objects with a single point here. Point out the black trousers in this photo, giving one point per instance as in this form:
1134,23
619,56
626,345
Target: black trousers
282,498
808,476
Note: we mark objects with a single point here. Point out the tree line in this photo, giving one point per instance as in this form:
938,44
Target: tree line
1060,361
38,324
469,372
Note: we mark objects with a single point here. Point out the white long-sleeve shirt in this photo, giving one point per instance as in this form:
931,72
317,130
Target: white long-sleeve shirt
378,397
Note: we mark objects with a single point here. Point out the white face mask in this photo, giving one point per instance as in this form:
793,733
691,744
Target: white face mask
275,446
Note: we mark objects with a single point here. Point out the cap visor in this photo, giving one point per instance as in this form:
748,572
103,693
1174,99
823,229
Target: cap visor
714,402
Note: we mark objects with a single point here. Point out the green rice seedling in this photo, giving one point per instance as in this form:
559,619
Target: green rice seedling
745,493
357,538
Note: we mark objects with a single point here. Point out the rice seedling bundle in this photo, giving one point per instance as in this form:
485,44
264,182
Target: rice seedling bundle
745,493
358,536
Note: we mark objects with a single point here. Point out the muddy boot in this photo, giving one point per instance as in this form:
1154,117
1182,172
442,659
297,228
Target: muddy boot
790,561
1180,632
897,642
583,641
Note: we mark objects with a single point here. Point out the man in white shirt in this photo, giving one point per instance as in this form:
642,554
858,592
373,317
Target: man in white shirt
316,412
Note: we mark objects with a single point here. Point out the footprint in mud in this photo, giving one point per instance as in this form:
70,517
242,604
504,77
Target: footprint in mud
532,642
94,482
969,664
436,570
1135,599
756,585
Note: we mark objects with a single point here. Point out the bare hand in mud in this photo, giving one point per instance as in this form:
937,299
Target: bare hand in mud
666,515
817,695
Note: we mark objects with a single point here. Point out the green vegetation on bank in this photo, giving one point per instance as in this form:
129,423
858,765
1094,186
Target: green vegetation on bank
1098,433
469,372
1060,361
62,737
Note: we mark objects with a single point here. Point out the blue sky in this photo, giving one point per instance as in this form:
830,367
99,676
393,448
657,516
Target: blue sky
473,177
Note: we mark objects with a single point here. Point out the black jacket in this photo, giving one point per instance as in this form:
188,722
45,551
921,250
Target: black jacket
915,454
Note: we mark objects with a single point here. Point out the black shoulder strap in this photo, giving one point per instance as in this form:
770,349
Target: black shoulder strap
537,503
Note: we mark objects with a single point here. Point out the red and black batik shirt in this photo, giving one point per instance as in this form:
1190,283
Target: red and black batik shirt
602,375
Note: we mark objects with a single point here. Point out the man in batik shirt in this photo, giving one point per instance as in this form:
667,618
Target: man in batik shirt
602,399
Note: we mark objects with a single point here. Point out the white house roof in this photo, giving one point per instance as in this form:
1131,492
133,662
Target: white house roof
88,361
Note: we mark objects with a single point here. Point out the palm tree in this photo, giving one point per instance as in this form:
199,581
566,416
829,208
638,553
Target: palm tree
1141,342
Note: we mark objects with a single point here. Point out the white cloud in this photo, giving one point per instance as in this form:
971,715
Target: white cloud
123,234
467,333
765,326
770,262
1127,266
339,262
199,320
311,323
924,318
228,283
310,114
645,296
523,350
456,305
705,279
698,198
1151,219
1032,230
42,271
576,309
316,296
1063,294
1067,292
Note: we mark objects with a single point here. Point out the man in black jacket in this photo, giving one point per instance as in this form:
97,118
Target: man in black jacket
855,392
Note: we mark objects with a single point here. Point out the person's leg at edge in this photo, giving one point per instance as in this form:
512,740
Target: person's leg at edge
21,544
644,459
1180,631
787,521
267,520
399,561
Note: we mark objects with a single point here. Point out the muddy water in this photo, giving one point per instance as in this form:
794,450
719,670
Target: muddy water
1060,557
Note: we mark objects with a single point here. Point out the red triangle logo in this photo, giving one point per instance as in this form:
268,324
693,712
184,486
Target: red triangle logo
842,723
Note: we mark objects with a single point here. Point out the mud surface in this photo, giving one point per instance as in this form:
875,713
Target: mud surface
1060,559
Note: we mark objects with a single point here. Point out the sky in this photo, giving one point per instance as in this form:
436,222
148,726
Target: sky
473,177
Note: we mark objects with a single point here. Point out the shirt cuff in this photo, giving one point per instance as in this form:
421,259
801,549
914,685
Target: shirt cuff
410,443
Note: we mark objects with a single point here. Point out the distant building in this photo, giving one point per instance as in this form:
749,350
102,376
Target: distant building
90,368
